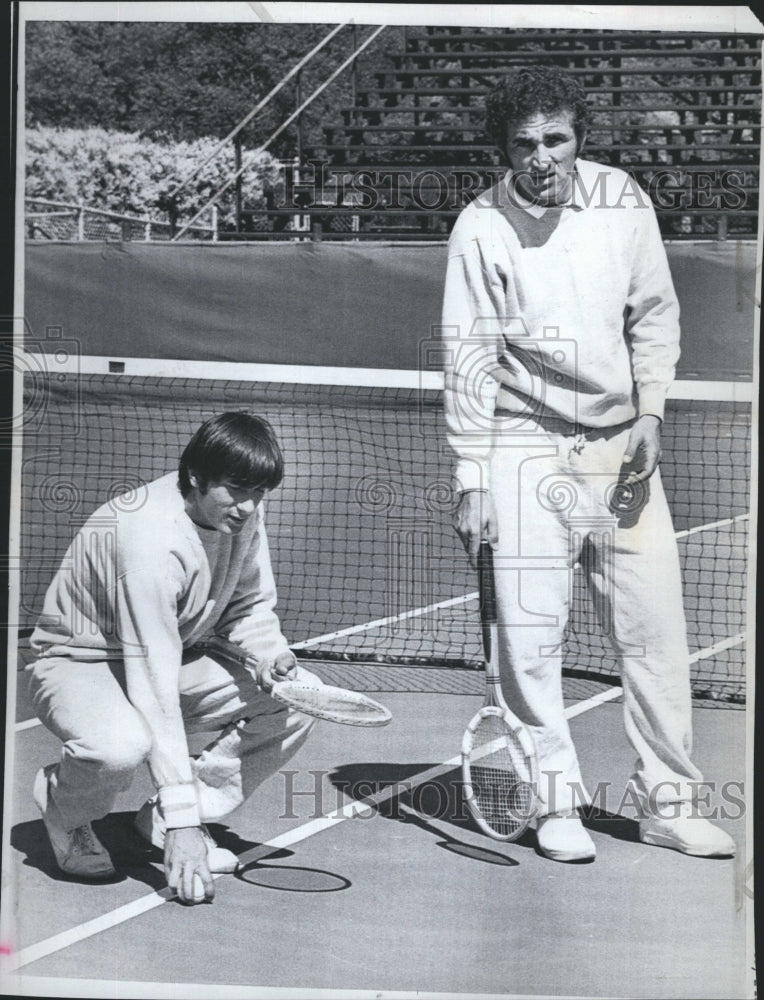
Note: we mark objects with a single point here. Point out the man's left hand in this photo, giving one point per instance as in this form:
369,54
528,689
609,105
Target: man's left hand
643,452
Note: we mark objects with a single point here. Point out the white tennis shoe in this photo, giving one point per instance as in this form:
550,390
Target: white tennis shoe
688,833
562,837
78,852
151,826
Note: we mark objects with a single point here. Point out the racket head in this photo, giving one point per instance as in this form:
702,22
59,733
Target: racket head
500,773
334,704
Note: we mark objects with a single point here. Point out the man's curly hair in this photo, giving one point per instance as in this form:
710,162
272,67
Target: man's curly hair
527,92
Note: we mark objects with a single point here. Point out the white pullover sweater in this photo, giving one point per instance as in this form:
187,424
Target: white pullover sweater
141,584
565,313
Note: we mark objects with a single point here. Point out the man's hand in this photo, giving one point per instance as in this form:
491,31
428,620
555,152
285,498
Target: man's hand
643,451
185,855
282,668
475,521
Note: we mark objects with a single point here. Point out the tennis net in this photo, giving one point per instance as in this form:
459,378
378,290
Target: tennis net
367,563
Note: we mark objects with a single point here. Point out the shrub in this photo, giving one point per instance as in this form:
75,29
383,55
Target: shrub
126,173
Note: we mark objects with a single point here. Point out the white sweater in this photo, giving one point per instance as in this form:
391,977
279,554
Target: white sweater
566,313
141,582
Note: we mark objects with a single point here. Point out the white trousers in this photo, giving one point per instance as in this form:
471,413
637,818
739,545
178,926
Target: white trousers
554,498
105,739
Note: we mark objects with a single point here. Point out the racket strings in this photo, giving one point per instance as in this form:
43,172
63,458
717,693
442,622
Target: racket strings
501,775
334,703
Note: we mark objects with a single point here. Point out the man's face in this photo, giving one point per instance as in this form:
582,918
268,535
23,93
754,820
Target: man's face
222,505
542,150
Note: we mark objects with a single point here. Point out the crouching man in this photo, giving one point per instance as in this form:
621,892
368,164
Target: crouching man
118,680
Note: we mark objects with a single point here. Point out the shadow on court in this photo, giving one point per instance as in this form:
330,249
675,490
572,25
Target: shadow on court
293,878
619,827
133,857
436,806
31,841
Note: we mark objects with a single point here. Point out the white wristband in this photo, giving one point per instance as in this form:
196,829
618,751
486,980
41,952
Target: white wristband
179,806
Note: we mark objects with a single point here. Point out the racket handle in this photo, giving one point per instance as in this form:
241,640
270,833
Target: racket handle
486,585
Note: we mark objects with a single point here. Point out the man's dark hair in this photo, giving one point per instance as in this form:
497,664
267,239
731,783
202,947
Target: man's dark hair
238,447
527,92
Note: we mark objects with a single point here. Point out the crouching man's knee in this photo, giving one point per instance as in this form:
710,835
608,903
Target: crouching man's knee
116,753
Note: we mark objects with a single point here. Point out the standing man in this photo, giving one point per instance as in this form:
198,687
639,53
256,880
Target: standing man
562,333
118,679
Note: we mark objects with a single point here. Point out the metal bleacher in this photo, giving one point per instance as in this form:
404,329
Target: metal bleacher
680,112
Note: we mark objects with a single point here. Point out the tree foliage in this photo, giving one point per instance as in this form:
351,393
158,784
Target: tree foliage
183,81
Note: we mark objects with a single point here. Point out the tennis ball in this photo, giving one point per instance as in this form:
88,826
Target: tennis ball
198,890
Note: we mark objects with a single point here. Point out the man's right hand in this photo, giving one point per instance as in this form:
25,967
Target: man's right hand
475,521
270,672
185,855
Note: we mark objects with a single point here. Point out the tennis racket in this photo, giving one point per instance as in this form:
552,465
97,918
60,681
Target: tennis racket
499,763
334,704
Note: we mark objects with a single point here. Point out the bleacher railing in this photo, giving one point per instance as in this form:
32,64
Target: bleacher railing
45,219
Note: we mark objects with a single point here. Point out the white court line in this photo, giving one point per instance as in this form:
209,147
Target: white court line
703,654
415,613
598,699
360,808
715,524
27,724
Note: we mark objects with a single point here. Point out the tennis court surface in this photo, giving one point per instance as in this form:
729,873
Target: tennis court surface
362,868
372,878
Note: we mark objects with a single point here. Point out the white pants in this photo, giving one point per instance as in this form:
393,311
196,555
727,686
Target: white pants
553,493
105,739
